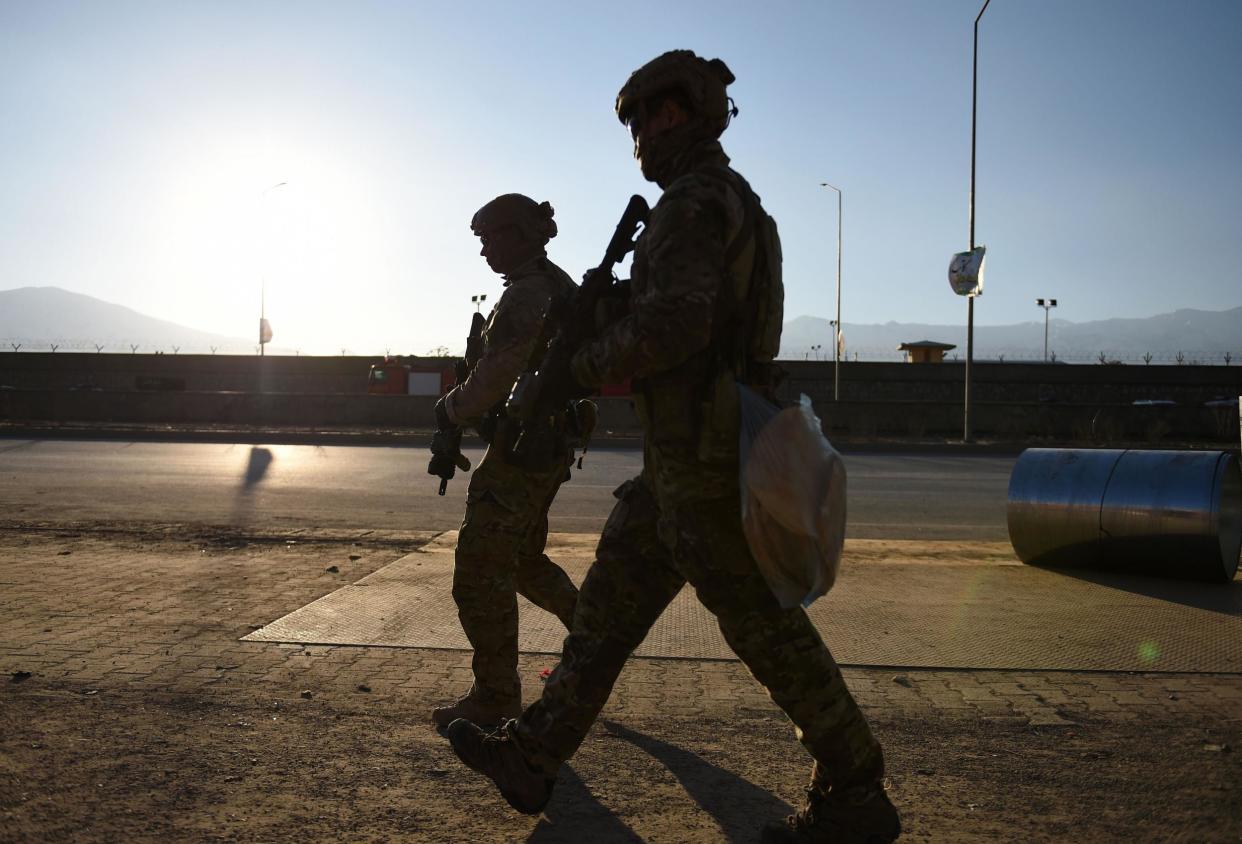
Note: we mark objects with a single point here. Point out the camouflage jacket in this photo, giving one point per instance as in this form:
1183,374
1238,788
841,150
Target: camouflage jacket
514,339
687,404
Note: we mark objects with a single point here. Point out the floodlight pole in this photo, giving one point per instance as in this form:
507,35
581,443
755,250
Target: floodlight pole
967,435
1047,305
836,338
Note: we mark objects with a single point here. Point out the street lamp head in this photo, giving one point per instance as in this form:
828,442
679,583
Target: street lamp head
1052,302
1039,302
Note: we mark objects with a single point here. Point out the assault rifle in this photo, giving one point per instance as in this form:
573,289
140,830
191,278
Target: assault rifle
446,456
533,401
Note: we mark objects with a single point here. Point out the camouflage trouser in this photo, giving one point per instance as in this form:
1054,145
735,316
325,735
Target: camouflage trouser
500,553
634,578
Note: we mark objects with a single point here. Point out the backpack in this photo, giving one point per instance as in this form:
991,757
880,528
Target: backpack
754,314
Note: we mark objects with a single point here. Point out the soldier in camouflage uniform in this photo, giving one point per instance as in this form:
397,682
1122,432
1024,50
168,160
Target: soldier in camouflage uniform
705,313
500,548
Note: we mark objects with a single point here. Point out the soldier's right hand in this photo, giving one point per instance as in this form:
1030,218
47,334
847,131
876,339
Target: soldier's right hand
443,423
613,305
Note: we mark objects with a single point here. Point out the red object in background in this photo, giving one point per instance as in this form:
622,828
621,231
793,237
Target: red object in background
616,390
392,377
387,377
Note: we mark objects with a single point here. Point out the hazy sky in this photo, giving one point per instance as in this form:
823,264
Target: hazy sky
138,142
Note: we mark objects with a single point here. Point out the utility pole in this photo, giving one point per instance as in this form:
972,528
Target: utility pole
967,433
836,339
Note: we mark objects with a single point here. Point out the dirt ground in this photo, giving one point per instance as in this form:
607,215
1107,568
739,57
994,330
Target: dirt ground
199,737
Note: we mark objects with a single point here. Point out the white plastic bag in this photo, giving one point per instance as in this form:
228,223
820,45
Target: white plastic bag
793,498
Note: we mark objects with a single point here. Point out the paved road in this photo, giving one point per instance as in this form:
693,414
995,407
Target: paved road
890,495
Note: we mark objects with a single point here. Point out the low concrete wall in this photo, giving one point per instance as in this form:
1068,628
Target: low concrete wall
227,373
860,381
1084,423
194,407
1010,401
1012,383
309,410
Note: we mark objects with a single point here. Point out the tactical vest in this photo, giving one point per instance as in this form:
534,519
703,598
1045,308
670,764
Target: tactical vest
545,446
695,406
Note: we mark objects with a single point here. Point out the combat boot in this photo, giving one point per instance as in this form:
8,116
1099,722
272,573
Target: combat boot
472,708
860,815
496,756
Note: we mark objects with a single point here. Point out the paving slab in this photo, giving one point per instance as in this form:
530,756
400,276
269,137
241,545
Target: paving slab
950,605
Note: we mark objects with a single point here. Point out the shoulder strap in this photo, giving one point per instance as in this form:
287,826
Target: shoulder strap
729,341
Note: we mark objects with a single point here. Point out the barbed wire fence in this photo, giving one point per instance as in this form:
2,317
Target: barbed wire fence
816,352
146,347
112,346
1164,357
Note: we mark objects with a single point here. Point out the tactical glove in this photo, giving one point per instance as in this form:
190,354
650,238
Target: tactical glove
446,456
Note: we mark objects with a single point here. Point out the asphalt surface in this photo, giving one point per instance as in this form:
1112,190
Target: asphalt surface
891,496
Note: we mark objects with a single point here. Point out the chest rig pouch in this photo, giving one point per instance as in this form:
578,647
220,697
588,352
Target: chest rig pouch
545,443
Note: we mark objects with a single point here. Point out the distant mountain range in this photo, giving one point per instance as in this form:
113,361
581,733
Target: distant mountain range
38,317
1198,336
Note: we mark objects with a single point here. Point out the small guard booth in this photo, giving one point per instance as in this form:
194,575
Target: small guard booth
925,351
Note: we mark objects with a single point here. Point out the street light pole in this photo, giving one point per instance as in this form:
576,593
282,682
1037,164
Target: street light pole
1047,305
836,332
967,434
263,281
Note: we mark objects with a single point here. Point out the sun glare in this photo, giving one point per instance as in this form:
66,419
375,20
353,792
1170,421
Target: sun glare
245,213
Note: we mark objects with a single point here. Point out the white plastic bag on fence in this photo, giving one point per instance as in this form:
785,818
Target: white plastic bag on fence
793,498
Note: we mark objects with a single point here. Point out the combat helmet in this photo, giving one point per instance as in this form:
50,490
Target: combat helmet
701,81
515,209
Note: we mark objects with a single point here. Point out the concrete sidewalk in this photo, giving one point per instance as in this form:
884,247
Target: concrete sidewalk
122,656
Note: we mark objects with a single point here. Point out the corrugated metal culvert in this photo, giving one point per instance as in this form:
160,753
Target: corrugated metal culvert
1168,513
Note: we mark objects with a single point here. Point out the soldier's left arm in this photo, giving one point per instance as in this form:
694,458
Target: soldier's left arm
509,340
671,318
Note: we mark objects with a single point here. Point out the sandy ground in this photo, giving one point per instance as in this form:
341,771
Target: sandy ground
129,711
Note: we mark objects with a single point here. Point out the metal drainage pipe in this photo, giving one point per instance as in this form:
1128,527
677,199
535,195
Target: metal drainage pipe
1169,513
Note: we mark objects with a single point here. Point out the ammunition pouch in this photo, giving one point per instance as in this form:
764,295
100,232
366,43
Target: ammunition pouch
664,409
697,408
542,446
581,417
718,418
491,422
